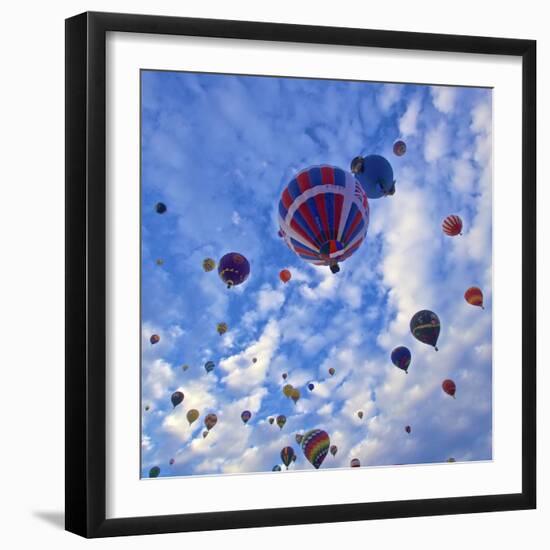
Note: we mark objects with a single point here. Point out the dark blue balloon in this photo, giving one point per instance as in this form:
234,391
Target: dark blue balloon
401,357
160,208
310,387
375,174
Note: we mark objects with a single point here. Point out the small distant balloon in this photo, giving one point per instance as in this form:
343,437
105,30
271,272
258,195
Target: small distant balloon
271,420
192,415
276,468
210,421
184,367
172,461
299,438
449,387
245,416
360,414
425,326
221,328
254,360
147,407
285,375
177,398
281,421
154,471
399,148
310,386
204,433
401,358
287,455
285,275
295,395
155,339
160,208
287,390
159,261
331,371
233,269
452,225
209,366
208,264
355,463
333,450
474,296
408,429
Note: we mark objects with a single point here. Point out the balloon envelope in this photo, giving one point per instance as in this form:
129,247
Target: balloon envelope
155,339
208,264
172,461
299,438
210,421
177,398
360,414
221,328
310,386
425,327
285,375
355,463
285,275
281,421
287,455
192,415
375,175
333,450
399,148
408,429
295,395
233,269
271,420
209,366
452,225
287,390
160,208
474,296
154,471
245,416
323,215
401,358
449,387
276,468
315,446
331,371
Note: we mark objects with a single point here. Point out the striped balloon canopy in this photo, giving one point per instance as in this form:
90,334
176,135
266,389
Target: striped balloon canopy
474,296
315,445
324,215
452,225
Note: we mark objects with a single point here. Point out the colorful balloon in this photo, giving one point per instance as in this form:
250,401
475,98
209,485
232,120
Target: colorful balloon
208,264
295,395
276,468
210,421
192,415
474,296
233,269
360,415
333,450
287,455
401,358
324,215
399,148
285,275
310,386
271,420
452,225
287,390
209,366
425,327
221,328
160,208
299,438
449,387
375,175
177,398
154,471
408,429
331,371
245,416
355,463
451,459
281,421
155,339
315,445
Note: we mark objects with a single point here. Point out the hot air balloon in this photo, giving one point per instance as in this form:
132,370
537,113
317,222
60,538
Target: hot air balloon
208,264
285,275
177,398
299,438
147,407
172,461
310,386
333,450
159,261
184,367
324,215
160,208
154,471
210,421
285,375
192,415
245,416
399,148
452,225
233,269
254,360
474,296
276,468
331,371
360,414
375,175
209,366
271,420
401,358
221,328
408,429
355,463
315,445
449,387
287,455
155,339
425,327
295,395
287,390
451,459
281,421
204,433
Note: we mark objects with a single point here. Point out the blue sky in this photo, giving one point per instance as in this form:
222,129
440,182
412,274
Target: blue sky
218,150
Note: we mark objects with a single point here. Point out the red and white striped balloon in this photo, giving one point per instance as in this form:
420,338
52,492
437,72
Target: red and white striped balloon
452,225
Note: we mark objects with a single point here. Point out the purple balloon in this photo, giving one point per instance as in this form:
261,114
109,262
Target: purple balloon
233,269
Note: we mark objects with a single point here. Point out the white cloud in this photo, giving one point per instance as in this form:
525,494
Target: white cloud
443,98
436,142
408,122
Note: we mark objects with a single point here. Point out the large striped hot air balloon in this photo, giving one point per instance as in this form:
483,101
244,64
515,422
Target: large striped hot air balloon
452,225
324,215
315,445
474,296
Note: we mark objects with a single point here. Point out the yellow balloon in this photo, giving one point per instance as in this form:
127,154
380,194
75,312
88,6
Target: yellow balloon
295,395
287,390
192,415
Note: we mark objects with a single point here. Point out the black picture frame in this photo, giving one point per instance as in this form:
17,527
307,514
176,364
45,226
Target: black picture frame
86,273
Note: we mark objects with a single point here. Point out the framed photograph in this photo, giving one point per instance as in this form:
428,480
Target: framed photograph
300,274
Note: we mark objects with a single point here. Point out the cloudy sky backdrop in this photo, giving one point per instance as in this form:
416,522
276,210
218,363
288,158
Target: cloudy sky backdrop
218,150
